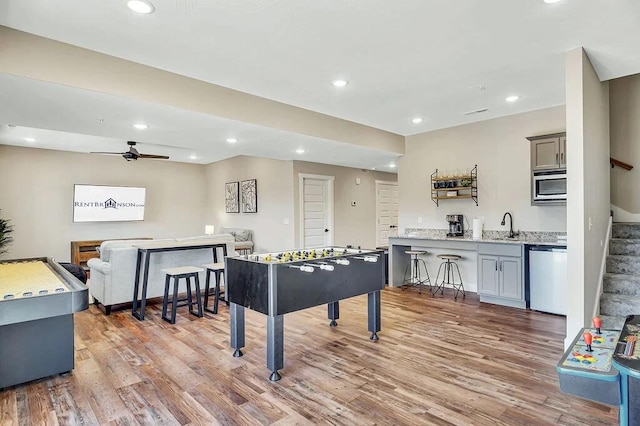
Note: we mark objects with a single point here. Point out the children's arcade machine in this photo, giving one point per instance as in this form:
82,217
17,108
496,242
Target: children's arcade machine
604,366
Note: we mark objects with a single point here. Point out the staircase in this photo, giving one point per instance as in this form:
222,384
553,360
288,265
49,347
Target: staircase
621,281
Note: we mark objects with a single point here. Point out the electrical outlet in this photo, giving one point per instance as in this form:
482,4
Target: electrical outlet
419,219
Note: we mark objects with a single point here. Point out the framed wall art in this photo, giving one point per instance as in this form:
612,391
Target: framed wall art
249,192
231,197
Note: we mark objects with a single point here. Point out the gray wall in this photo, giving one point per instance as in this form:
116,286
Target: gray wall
625,135
353,225
37,196
500,149
588,187
273,224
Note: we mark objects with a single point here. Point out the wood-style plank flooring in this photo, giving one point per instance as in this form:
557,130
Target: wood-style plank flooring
437,362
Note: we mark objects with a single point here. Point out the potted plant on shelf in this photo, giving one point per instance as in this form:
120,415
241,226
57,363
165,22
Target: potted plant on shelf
5,238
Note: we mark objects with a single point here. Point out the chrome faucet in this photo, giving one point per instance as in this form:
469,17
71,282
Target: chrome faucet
511,233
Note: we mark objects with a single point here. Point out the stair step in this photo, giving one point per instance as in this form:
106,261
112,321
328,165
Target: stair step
612,322
625,230
625,247
617,264
621,284
619,304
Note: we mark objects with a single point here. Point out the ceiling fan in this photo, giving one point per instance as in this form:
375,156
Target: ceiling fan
133,153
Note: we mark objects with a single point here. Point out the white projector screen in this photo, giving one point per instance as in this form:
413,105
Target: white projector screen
101,203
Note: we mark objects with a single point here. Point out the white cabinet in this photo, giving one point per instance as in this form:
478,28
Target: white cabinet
500,274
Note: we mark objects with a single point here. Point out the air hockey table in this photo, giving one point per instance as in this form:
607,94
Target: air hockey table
37,300
275,284
604,366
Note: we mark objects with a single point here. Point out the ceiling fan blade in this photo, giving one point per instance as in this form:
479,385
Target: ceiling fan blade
108,153
158,157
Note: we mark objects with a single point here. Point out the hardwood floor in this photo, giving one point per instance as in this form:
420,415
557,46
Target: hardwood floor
437,362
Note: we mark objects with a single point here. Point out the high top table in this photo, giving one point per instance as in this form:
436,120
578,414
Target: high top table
146,249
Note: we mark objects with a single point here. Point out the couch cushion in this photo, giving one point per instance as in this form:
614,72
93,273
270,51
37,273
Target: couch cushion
106,246
222,237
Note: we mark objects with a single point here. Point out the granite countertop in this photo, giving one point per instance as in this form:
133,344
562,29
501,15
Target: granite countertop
523,237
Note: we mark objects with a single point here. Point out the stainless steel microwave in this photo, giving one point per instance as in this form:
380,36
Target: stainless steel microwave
549,187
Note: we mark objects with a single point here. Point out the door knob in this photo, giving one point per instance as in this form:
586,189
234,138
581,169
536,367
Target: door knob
326,230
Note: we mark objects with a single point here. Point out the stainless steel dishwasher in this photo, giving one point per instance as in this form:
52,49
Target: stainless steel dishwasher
548,279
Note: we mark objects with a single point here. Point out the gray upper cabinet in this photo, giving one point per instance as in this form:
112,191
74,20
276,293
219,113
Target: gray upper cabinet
548,152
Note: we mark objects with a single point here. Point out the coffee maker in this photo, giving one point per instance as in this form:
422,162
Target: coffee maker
456,225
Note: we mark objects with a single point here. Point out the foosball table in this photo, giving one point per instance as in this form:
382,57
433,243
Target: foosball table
275,284
604,366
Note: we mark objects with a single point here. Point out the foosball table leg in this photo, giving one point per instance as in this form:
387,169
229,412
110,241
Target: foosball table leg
237,328
374,313
275,345
333,313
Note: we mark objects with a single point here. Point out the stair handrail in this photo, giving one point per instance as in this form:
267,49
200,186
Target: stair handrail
619,163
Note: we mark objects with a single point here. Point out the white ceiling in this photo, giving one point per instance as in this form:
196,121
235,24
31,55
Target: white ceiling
427,58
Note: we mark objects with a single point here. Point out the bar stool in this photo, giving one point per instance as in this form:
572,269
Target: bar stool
186,272
448,277
217,269
412,275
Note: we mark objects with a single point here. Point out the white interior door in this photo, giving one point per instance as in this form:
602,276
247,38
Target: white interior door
386,212
316,211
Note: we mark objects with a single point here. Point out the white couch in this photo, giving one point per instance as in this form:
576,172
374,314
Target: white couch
113,274
243,238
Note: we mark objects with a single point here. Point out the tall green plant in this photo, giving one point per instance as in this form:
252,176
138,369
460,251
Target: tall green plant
5,238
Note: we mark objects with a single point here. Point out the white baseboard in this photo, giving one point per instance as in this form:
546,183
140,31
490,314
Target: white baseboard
621,215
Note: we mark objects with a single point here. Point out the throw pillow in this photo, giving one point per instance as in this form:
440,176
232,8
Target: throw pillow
242,235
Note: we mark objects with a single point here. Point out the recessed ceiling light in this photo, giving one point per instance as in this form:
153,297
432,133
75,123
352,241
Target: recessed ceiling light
193,157
512,98
141,126
300,151
551,1
232,140
30,139
416,120
340,83
140,6
392,165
